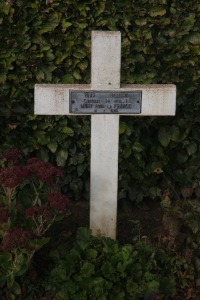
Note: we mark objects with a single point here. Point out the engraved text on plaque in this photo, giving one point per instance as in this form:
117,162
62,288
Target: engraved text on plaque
105,102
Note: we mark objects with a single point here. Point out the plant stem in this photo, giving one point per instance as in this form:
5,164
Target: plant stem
171,186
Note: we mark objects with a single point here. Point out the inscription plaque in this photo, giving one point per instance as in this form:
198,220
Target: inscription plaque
105,102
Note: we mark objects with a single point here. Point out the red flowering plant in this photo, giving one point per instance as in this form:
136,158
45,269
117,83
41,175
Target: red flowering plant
29,205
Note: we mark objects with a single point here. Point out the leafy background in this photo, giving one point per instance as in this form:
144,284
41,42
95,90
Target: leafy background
49,42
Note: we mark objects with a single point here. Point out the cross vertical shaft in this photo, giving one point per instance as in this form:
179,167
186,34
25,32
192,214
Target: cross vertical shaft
106,63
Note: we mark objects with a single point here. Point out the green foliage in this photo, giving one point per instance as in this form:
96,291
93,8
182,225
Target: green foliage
181,221
98,268
43,43
188,216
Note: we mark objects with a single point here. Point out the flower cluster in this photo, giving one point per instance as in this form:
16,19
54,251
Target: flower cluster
45,207
26,210
4,214
43,171
12,176
16,237
12,156
43,216
42,210
58,202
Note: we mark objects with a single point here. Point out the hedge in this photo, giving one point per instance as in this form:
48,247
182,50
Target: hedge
49,42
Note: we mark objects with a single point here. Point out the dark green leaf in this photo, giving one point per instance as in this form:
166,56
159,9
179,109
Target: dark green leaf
61,157
122,127
16,289
191,148
157,11
164,137
52,146
137,147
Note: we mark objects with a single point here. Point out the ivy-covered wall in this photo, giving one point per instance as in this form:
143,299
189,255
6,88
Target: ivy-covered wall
49,42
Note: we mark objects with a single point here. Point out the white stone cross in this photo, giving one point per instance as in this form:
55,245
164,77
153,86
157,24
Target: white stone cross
105,100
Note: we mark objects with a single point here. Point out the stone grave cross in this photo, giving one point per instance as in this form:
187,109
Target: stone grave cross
105,100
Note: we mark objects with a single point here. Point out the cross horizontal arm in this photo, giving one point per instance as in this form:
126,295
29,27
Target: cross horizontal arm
157,99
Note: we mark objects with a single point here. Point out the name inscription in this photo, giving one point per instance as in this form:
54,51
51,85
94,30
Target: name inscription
105,102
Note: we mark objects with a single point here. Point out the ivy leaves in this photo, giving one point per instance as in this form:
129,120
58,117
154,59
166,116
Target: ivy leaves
166,134
105,270
51,44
